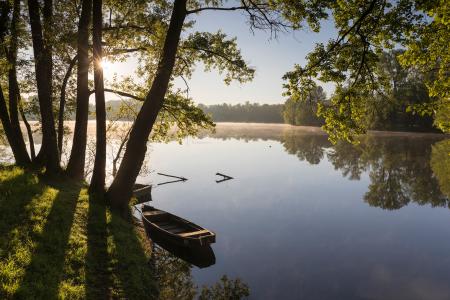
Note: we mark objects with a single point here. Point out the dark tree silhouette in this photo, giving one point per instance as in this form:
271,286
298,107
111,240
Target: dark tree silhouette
42,49
98,175
75,167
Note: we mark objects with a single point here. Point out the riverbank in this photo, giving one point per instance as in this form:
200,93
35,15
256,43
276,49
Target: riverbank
56,241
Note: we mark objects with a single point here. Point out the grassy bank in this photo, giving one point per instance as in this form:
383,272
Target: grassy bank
56,241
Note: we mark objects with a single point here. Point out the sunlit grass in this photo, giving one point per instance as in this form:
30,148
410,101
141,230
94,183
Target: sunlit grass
58,242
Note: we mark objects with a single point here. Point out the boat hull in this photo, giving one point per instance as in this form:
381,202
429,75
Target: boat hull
157,233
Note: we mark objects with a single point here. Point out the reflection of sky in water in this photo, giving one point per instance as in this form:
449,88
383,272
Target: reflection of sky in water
294,230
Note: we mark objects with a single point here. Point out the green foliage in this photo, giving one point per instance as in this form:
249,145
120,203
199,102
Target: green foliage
397,108
214,50
184,114
344,117
226,289
297,12
427,50
366,29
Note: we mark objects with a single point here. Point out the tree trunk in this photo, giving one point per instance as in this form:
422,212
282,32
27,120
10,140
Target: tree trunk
119,152
5,9
43,66
29,130
18,144
21,148
21,158
119,194
75,167
12,140
62,104
98,174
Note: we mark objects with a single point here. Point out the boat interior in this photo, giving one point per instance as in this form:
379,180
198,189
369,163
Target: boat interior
174,225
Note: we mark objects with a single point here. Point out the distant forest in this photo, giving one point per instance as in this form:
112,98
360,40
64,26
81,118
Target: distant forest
247,112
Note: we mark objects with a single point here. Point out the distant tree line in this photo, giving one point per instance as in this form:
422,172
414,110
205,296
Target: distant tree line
247,112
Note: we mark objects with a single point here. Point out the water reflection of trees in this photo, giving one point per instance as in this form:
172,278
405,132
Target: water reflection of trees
175,281
398,166
310,148
440,164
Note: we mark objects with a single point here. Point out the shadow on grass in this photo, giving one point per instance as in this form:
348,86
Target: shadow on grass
43,274
17,185
131,264
98,276
16,192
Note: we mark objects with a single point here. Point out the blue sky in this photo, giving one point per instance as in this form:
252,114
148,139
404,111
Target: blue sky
271,58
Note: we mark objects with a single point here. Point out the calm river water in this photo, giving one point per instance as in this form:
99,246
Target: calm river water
303,219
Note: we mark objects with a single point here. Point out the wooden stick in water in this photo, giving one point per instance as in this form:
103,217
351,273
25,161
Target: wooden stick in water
223,175
172,181
167,175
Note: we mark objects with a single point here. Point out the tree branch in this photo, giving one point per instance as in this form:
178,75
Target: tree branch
357,24
131,96
121,93
127,26
243,7
62,102
221,55
124,51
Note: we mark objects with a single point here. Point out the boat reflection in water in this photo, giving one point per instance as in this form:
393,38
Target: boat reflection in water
201,257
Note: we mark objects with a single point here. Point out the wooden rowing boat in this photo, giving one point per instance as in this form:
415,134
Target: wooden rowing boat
176,230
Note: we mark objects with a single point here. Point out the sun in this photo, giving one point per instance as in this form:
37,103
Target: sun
106,65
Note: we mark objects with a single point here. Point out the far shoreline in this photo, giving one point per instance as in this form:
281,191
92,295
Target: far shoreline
268,128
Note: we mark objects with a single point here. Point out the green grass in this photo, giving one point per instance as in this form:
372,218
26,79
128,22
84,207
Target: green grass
57,242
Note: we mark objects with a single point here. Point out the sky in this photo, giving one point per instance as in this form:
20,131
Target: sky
271,58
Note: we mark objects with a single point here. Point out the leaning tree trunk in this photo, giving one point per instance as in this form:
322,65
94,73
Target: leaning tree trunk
43,66
98,174
119,193
62,103
75,167
29,130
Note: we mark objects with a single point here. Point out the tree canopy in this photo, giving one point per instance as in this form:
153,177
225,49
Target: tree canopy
367,29
47,64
